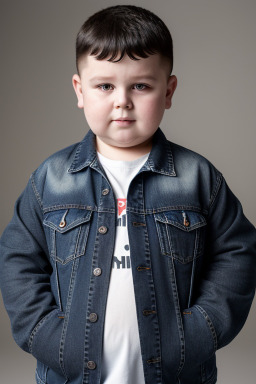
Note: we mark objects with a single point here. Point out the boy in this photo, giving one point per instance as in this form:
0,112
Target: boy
128,259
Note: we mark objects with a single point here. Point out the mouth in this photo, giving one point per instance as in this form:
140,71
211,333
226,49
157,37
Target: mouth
123,121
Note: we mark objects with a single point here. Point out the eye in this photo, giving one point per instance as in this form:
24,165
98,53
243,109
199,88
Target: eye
105,87
140,87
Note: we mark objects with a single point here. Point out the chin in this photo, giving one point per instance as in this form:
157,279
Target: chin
127,143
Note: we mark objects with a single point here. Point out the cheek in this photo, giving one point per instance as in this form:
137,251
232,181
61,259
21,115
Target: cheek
92,117
154,108
94,109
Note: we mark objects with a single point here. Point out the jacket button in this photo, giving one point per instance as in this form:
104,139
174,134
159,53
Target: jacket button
97,271
105,192
91,365
102,230
93,317
62,224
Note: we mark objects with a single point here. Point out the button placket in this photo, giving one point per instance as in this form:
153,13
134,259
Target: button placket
144,287
102,257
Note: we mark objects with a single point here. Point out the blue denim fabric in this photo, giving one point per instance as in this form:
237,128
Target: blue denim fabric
193,256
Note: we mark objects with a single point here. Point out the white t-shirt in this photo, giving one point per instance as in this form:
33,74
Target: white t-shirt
122,362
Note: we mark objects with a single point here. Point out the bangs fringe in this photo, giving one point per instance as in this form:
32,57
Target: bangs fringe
124,30
114,51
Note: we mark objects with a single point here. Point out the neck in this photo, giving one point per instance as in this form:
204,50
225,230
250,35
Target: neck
123,153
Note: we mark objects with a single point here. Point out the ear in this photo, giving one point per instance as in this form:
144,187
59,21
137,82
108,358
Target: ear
76,81
171,86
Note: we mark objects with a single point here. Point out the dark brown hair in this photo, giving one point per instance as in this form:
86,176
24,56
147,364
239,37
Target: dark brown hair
124,29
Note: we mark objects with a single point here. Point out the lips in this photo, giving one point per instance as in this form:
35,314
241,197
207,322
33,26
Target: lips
123,121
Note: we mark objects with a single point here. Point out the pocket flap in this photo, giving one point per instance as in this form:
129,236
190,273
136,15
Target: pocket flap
185,220
65,219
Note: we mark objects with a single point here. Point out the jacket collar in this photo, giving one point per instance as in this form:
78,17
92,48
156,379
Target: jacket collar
160,159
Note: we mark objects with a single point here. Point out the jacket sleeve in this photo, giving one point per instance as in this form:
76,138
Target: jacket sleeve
226,288
25,281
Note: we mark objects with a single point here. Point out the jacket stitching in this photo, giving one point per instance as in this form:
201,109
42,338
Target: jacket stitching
66,319
128,209
38,380
210,325
38,198
35,330
178,314
216,190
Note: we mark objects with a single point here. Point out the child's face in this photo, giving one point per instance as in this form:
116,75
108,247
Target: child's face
124,102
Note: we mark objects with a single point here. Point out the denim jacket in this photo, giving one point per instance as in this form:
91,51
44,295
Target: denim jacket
193,257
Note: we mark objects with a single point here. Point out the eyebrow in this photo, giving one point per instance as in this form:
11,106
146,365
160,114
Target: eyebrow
133,79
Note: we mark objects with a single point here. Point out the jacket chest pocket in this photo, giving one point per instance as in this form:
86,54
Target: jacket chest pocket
67,232
181,234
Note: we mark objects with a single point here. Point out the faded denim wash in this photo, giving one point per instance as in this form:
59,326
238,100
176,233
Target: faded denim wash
193,256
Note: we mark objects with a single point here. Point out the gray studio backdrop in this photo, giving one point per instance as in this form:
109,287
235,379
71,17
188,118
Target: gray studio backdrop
213,113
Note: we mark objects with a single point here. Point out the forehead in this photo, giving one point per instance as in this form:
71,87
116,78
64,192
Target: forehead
152,66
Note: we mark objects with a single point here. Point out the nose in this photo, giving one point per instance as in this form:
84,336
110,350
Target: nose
122,100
